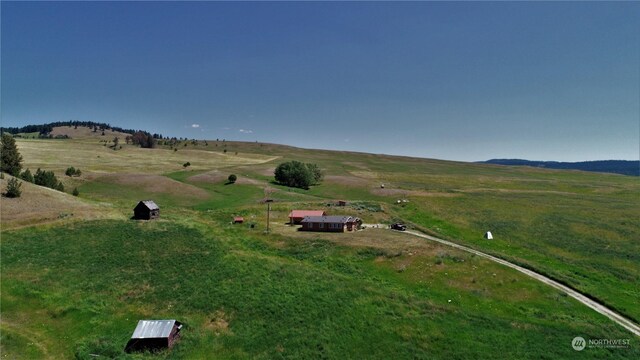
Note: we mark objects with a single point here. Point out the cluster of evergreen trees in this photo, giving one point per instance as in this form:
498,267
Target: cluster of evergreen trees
11,163
143,139
45,129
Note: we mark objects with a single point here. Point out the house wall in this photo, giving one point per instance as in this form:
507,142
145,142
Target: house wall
141,213
323,227
144,213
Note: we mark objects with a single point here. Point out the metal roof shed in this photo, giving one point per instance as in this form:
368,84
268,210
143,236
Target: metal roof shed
154,335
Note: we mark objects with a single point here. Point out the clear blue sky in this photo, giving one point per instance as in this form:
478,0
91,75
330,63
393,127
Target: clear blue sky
449,80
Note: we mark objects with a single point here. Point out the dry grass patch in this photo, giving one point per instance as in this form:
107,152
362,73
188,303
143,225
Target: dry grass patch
156,184
39,205
91,156
218,323
346,180
213,176
406,193
87,133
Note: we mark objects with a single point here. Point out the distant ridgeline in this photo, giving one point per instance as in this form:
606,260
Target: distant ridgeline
624,167
45,129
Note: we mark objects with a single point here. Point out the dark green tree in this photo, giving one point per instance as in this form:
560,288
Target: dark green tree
13,188
10,158
232,178
75,192
47,179
27,176
315,172
294,174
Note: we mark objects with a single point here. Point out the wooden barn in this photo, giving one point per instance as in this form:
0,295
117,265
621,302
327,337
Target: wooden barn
339,223
154,335
296,216
146,210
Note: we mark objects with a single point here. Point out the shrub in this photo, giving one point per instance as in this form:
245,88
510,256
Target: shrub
75,192
187,164
232,178
26,176
13,188
71,171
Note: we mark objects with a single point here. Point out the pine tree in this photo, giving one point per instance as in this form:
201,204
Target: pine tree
27,176
10,159
13,188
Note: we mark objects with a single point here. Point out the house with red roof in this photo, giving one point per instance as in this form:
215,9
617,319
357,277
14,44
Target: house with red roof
296,216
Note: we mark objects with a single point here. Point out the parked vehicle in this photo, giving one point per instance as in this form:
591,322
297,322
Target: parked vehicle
399,227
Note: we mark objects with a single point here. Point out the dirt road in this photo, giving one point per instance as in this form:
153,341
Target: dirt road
621,320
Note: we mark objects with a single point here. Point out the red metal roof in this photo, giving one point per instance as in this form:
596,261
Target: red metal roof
303,213
238,218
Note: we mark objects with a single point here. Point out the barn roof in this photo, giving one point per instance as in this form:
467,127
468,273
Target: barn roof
303,213
154,329
149,204
328,219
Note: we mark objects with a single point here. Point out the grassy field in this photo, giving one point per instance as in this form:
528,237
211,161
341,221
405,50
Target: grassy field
75,288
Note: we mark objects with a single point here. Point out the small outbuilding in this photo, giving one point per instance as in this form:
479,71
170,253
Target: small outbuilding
146,210
342,203
154,335
488,235
339,223
296,216
238,220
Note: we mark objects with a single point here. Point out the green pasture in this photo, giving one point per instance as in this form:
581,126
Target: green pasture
241,294
79,288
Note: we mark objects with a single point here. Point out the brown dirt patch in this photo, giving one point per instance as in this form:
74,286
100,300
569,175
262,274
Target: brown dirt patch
156,184
218,322
392,242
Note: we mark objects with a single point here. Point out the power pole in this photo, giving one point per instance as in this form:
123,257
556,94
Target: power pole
268,201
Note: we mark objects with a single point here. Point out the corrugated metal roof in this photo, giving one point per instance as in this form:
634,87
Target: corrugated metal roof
150,204
328,219
303,213
153,329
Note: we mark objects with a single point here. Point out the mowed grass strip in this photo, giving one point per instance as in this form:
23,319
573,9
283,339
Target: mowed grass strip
242,294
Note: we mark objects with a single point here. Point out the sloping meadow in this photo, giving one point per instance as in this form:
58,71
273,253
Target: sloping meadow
80,290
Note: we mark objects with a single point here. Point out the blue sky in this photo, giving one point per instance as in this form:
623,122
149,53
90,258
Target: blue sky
448,80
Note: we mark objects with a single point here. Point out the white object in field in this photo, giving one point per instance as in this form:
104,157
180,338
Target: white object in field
488,235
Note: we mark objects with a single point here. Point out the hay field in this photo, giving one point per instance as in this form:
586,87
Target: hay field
57,155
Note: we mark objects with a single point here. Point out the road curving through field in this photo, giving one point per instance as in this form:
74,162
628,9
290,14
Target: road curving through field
602,309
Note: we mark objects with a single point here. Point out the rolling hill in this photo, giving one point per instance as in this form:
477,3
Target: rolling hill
623,167
77,287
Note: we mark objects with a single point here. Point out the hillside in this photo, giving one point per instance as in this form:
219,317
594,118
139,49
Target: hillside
245,293
623,167
41,205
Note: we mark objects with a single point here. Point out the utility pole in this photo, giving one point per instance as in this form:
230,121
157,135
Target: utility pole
268,201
